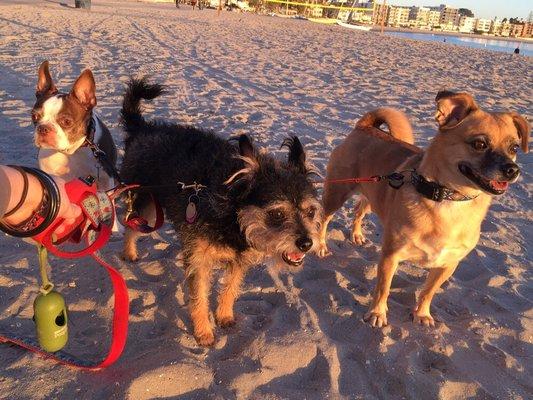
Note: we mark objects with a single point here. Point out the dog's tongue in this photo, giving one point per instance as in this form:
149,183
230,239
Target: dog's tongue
499,185
295,256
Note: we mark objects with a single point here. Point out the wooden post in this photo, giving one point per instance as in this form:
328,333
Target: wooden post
219,7
383,15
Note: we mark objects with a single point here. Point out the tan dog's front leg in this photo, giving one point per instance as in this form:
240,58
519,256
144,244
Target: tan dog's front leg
199,288
232,284
362,208
436,277
130,252
322,245
377,313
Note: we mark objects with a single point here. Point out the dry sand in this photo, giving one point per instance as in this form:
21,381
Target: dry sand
299,335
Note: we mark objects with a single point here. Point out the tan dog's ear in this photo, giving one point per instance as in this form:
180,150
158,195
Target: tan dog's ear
523,128
452,108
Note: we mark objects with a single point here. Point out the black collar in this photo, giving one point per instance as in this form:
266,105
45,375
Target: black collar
435,191
98,154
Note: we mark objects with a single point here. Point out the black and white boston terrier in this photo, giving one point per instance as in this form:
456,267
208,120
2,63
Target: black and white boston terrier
65,124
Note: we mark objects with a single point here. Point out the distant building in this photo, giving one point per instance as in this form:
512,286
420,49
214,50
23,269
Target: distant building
467,24
449,17
442,17
381,12
433,18
483,25
398,16
516,30
495,27
528,30
504,29
419,16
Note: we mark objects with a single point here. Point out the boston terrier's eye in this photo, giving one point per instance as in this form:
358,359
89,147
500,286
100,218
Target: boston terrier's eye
65,121
35,116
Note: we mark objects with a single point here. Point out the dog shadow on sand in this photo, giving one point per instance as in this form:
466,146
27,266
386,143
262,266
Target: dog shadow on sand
298,334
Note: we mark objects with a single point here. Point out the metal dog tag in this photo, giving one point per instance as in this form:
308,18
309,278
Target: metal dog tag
191,213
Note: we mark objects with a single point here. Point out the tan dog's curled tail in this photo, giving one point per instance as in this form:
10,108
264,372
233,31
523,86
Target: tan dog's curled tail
399,126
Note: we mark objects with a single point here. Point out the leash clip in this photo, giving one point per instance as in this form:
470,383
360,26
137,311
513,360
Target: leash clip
195,186
103,160
130,198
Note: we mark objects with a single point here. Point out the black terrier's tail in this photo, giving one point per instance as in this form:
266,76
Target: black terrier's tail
131,114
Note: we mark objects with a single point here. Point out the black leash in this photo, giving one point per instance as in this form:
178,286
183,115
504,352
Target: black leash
103,160
99,154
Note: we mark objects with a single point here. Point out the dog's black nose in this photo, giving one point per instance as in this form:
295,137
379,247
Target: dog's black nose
304,243
510,170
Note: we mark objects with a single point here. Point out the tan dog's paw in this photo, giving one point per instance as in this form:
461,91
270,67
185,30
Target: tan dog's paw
226,322
323,250
206,339
376,319
423,319
130,256
224,317
358,238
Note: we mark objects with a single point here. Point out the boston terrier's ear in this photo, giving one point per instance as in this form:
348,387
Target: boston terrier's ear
84,90
45,85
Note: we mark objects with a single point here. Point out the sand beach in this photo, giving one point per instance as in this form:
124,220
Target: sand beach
299,334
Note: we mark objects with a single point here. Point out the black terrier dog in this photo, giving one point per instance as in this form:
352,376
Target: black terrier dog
253,207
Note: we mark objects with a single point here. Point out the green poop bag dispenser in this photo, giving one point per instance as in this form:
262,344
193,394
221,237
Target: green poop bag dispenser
50,312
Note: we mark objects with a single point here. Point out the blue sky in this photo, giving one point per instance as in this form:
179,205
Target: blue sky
481,8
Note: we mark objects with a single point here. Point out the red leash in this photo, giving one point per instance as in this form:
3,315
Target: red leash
375,178
119,330
136,222
95,225
98,214
395,179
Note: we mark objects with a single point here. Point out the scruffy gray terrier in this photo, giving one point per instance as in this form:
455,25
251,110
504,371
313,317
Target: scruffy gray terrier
254,207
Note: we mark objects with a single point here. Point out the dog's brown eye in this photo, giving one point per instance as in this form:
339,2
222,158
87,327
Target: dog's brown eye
311,212
277,217
479,145
35,117
514,149
65,121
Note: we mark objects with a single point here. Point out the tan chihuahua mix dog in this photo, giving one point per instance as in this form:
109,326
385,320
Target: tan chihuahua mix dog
434,217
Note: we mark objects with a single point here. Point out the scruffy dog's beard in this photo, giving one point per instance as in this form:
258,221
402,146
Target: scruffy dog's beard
280,242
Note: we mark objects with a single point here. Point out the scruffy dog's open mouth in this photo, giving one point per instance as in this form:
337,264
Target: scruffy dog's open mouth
491,186
294,259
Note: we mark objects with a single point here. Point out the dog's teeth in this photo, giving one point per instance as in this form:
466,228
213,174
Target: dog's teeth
295,257
499,185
